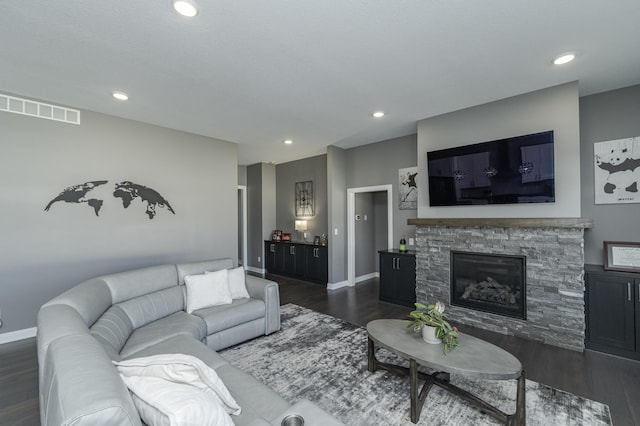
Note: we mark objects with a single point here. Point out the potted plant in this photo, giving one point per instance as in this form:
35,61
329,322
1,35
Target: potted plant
433,316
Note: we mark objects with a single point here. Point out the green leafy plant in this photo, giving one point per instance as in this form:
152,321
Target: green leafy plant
433,315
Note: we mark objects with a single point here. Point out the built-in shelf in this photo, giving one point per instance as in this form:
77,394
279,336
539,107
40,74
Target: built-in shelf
561,222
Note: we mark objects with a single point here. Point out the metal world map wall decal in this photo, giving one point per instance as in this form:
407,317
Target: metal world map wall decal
127,192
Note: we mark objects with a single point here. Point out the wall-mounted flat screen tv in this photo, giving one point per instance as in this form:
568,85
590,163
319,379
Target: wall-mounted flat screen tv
506,171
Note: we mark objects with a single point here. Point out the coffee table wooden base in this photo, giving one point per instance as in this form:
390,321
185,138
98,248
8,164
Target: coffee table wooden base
418,396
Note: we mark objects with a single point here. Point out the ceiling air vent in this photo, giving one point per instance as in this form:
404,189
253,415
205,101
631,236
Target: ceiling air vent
39,109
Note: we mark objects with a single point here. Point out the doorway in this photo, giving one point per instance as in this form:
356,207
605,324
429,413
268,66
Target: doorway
353,223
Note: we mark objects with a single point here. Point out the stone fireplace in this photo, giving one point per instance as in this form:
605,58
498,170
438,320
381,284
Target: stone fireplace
552,288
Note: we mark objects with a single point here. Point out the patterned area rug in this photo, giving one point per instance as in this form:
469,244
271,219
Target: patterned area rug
324,359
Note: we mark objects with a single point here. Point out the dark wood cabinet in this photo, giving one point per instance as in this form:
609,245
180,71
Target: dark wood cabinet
398,277
299,260
612,311
274,255
317,263
294,259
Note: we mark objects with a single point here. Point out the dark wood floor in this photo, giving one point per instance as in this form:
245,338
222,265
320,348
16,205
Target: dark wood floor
604,378
608,379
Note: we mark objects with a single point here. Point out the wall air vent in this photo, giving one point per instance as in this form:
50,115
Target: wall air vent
38,109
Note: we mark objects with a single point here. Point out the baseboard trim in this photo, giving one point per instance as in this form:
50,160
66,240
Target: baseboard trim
367,277
14,336
335,286
255,270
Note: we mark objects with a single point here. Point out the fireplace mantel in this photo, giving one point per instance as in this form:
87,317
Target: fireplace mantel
560,222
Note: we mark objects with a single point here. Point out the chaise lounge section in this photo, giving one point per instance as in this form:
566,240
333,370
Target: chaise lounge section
141,313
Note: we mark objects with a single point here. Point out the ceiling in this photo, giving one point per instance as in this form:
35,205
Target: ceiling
257,72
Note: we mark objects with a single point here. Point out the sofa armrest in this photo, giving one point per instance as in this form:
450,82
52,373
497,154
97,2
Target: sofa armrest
312,414
267,291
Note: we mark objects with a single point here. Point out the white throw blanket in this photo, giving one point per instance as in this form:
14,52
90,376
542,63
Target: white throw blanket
177,389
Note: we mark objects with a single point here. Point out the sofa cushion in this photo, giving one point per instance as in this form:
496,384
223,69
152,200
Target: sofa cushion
159,330
184,344
222,317
206,290
147,308
112,330
193,268
130,284
255,398
238,334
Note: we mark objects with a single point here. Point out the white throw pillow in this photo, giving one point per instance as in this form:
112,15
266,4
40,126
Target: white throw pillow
237,285
181,368
162,402
207,290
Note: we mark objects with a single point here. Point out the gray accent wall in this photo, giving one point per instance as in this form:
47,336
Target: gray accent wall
242,175
368,165
555,108
254,217
261,211
287,174
604,117
46,252
337,213
378,164
380,224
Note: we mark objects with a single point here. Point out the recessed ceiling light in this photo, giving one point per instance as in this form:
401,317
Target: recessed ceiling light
288,142
185,8
121,96
378,114
563,59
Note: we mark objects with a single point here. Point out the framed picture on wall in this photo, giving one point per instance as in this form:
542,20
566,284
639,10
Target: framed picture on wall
617,171
407,188
304,199
622,256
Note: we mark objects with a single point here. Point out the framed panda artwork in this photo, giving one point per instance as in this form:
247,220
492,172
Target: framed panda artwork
617,171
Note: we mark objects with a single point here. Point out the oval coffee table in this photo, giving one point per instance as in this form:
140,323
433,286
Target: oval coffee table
472,358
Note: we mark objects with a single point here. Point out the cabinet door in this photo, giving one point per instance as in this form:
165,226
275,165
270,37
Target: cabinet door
610,311
406,283
294,260
387,277
398,279
270,256
274,254
317,264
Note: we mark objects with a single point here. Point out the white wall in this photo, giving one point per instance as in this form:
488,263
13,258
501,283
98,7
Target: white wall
45,253
555,108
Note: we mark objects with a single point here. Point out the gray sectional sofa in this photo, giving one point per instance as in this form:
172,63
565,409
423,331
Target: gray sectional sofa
142,313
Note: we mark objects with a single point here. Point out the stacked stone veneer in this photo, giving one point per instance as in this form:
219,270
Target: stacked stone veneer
555,286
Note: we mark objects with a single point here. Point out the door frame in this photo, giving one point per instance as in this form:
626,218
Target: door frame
351,225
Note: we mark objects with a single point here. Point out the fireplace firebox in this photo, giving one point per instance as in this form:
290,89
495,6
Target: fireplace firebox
494,283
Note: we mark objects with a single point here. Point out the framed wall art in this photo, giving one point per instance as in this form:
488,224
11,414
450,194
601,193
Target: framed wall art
304,199
617,171
622,256
408,188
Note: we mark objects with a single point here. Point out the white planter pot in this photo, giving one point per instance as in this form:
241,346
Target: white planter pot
429,335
